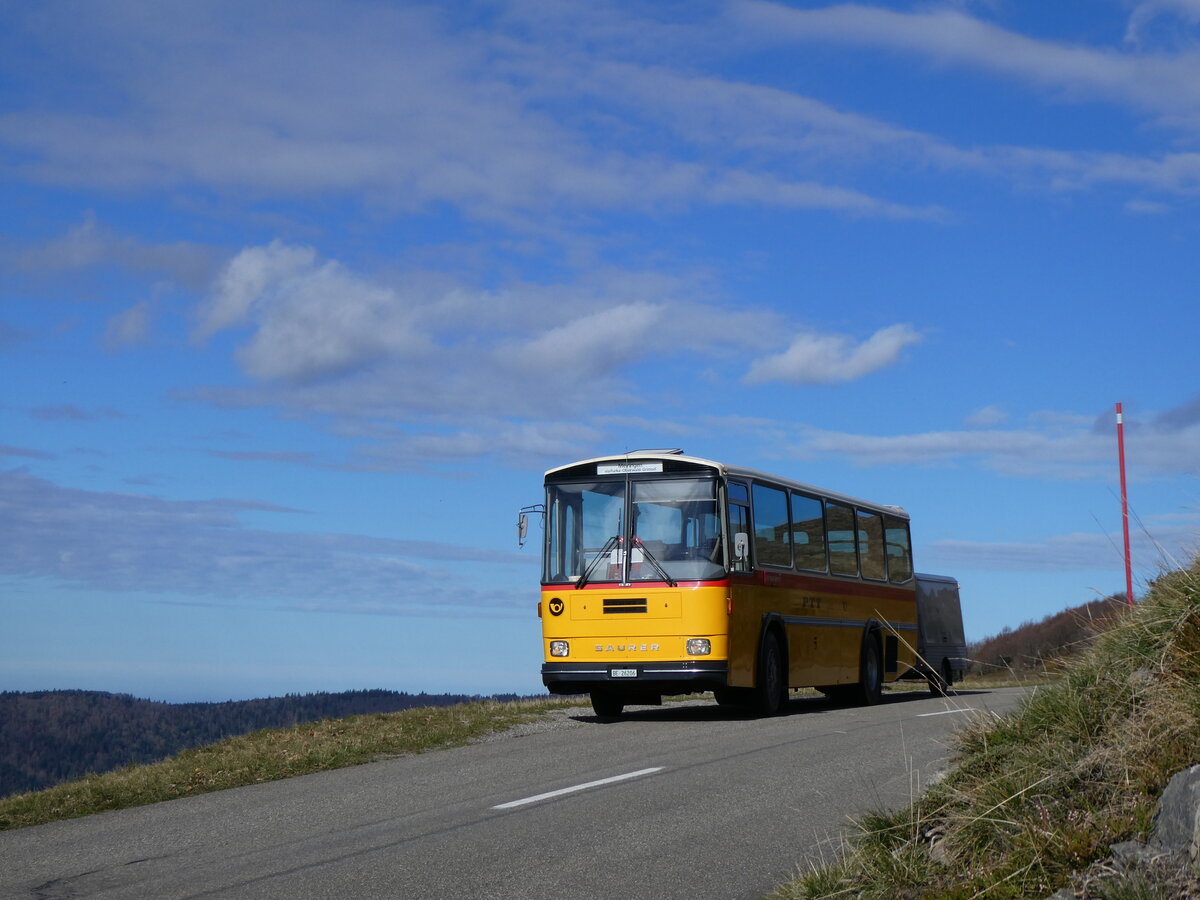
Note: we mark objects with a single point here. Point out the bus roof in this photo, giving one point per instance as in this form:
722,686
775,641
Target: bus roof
737,471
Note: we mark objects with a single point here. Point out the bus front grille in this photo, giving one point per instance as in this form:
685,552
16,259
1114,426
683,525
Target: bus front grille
624,605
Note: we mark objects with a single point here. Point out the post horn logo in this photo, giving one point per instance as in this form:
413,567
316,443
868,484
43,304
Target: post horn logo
557,607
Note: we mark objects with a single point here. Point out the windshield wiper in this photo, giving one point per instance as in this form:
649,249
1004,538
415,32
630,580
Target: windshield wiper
604,551
646,554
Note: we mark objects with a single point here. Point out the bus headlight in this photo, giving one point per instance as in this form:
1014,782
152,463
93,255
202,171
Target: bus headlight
560,648
699,646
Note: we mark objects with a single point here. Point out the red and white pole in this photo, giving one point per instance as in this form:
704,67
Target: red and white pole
1124,506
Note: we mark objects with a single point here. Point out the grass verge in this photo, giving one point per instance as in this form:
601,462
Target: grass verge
273,754
1037,798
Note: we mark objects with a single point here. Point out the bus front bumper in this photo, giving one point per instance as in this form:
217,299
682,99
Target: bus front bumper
637,677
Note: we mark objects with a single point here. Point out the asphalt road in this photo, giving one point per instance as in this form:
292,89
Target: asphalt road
702,804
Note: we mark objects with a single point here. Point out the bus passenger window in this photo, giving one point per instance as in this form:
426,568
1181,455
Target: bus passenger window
870,545
899,550
808,533
843,559
772,531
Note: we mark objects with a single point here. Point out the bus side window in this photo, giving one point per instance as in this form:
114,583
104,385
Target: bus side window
739,524
772,530
870,545
899,550
808,533
843,560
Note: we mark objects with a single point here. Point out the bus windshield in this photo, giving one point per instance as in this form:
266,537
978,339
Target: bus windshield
671,525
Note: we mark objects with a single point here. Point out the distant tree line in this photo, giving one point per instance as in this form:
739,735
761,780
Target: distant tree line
1031,646
47,737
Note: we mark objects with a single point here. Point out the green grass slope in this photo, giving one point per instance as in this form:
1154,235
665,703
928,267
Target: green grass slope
271,754
1037,798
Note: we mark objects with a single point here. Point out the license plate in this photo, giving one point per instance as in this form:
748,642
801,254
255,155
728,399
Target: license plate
623,673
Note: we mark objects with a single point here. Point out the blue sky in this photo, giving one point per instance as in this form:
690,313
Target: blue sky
298,300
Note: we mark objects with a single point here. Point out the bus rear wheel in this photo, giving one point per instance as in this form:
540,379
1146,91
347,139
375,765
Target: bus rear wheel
607,705
869,689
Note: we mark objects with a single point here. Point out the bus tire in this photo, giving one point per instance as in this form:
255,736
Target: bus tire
607,705
770,689
869,690
730,698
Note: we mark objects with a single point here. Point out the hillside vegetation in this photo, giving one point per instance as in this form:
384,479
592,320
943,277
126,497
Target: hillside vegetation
47,737
1038,797
1035,647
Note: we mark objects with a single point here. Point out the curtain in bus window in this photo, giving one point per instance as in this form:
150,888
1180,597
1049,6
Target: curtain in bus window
870,545
899,550
842,557
808,533
772,531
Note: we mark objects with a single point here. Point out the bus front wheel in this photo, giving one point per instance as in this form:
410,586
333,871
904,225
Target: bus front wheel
771,688
731,698
607,705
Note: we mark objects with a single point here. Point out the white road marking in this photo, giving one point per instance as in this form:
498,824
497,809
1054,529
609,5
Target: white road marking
578,787
944,712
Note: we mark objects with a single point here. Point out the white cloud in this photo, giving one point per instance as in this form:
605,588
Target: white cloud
491,373
520,444
986,417
1145,14
822,359
311,319
91,244
134,542
128,327
1165,85
323,338
246,279
997,447
514,124
396,103
594,344
1052,445
1147,207
1164,544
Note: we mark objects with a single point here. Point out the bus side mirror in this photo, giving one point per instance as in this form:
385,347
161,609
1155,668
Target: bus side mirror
741,546
523,521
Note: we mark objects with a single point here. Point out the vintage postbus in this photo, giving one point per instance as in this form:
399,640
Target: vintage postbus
666,574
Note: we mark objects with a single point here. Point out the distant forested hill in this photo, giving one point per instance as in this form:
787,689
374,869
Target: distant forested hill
1031,645
51,736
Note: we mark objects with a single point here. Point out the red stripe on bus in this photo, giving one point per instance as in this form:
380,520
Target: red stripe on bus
824,584
835,585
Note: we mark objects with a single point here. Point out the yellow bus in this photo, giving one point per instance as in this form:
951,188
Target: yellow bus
665,574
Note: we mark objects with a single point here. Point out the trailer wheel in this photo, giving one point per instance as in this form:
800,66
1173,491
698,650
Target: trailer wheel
939,682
